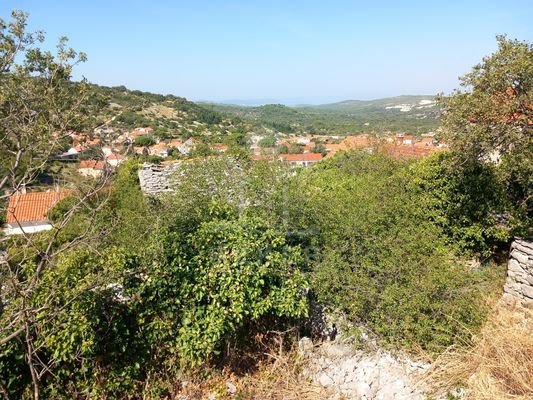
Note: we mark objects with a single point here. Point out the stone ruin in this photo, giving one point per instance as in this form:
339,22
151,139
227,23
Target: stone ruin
519,284
156,178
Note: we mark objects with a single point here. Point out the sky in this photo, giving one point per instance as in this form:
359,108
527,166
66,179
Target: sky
282,51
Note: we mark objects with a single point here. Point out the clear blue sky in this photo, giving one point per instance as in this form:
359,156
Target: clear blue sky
291,51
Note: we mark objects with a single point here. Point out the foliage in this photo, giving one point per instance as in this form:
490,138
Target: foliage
267,141
37,100
466,203
225,274
131,119
346,117
144,140
128,289
491,120
380,260
209,117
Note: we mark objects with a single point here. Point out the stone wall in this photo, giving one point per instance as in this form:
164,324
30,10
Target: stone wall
156,179
519,283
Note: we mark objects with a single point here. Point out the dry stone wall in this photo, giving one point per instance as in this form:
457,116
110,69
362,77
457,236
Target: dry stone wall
156,179
519,283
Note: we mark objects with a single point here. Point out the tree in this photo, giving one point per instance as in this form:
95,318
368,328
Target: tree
267,141
144,140
491,120
38,105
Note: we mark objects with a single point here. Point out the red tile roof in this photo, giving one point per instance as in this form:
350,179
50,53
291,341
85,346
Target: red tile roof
93,164
301,157
115,156
27,207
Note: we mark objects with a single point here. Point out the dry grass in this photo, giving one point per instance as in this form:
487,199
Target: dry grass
159,110
499,362
278,378
281,380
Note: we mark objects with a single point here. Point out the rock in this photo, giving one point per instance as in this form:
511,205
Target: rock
514,266
231,388
363,390
519,256
527,291
349,365
305,345
523,244
325,380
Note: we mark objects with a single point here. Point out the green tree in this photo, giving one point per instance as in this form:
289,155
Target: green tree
267,141
144,140
376,256
491,120
38,105
467,203
224,275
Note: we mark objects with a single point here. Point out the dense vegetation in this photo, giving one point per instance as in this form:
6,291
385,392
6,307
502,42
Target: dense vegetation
130,293
349,117
180,278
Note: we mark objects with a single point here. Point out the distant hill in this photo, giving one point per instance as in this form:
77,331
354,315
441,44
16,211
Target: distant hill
170,116
413,114
404,104
173,116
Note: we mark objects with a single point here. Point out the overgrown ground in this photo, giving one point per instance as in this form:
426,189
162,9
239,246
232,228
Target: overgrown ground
498,364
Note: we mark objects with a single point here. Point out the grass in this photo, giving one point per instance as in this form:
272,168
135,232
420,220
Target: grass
498,364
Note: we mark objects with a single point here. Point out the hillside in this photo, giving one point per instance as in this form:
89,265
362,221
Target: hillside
411,114
170,116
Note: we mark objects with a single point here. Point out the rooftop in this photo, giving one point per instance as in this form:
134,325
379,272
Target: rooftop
28,207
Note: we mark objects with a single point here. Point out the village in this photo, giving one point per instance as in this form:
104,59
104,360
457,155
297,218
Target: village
99,153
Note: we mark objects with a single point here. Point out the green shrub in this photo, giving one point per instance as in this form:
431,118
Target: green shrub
378,257
225,274
467,201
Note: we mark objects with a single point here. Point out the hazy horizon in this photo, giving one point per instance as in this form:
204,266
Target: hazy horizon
297,53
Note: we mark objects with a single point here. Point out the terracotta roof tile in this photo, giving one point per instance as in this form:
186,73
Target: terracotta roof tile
301,157
94,164
27,207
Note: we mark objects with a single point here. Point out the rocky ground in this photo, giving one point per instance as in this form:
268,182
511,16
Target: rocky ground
362,375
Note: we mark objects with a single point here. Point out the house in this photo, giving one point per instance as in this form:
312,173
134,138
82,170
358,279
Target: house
334,148
262,157
187,146
107,150
160,149
143,151
406,140
304,140
142,131
115,159
303,160
175,144
93,168
426,142
28,212
219,147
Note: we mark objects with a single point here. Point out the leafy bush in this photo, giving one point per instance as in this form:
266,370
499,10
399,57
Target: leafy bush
267,141
467,202
378,258
144,140
213,281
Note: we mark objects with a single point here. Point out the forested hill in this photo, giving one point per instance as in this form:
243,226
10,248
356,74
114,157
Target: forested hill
413,114
119,107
